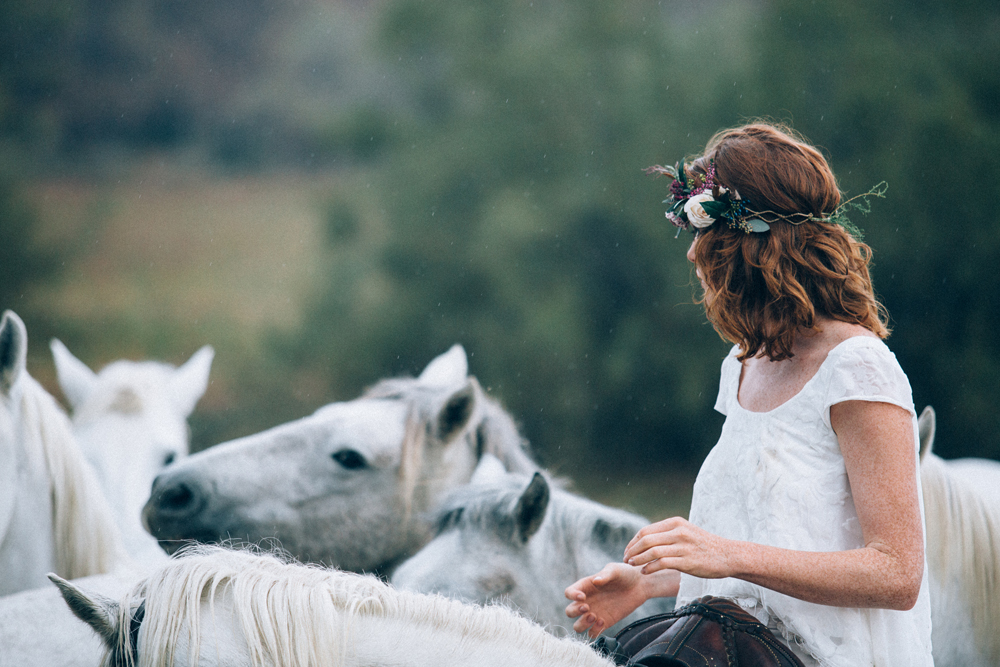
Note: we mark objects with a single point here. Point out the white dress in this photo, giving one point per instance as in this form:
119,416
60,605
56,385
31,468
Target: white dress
778,478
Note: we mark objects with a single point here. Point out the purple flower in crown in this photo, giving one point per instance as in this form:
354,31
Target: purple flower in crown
679,190
697,201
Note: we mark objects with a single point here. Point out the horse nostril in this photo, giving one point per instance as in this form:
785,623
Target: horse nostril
176,498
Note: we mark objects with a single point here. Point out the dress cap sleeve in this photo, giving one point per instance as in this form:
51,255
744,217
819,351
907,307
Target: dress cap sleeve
864,369
729,380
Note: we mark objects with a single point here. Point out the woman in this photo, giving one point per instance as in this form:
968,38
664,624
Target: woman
807,512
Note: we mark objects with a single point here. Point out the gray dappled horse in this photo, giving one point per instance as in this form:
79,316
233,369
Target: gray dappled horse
348,485
518,539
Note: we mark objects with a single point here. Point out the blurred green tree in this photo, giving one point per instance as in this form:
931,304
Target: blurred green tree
900,91
520,223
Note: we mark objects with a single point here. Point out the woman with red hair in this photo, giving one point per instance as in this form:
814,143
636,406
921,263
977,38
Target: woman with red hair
807,513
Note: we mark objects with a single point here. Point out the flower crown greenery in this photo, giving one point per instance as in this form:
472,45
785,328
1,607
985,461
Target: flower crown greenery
697,201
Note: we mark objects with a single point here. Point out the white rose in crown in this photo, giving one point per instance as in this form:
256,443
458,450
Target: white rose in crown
695,213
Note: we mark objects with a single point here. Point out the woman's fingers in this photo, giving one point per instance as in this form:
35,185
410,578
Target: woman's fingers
589,624
653,553
656,566
662,532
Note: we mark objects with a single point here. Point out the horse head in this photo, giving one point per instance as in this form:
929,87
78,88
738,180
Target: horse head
346,486
131,422
518,539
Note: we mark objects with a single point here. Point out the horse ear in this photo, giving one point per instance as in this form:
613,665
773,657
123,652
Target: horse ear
13,349
447,370
530,509
75,378
191,380
926,426
489,469
97,611
454,416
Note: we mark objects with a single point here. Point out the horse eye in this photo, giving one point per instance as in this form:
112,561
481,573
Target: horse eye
169,458
350,459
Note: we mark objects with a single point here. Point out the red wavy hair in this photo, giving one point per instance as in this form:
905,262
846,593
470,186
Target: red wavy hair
766,287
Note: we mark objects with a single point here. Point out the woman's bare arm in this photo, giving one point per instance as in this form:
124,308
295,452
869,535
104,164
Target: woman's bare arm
877,443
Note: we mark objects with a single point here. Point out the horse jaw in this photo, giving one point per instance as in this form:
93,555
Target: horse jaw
97,611
13,350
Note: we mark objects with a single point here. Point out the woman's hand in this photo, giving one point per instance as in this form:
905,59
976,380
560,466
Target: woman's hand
601,600
678,545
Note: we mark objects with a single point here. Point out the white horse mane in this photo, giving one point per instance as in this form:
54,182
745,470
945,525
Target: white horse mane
297,615
968,550
87,540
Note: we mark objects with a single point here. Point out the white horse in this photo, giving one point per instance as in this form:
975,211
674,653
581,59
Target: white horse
53,515
514,538
224,608
497,541
347,486
962,507
131,421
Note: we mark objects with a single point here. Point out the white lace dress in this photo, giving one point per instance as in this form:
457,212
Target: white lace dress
778,478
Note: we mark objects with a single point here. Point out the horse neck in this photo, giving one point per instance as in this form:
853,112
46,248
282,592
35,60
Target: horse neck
963,540
27,546
382,642
295,616
119,447
86,539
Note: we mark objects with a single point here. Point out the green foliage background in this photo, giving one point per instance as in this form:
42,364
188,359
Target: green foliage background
499,146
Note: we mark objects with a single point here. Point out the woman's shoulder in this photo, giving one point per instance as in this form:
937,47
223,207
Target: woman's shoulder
857,342
863,367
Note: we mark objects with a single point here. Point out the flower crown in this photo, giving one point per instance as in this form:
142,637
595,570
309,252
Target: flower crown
697,201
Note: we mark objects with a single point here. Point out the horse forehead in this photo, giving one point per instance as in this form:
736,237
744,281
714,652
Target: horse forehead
132,389
370,420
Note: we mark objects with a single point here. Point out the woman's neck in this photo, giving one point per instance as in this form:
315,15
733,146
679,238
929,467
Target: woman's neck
766,384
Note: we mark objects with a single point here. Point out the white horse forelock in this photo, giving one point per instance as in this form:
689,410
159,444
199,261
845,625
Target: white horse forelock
87,540
303,615
968,549
491,426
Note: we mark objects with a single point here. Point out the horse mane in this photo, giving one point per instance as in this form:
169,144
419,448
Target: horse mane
494,430
297,615
967,550
87,541
574,519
